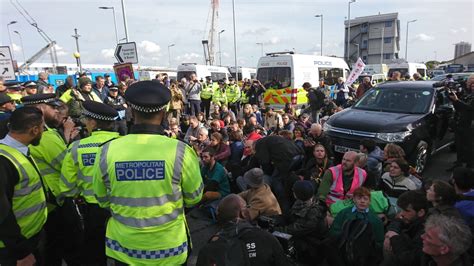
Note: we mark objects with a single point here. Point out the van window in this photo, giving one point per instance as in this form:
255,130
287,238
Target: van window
233,75
253,75
330,75
218,76
402,71
270,75
421,71
185,74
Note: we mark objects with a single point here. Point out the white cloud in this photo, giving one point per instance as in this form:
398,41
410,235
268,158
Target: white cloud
424,37
16,48
460,30
258,31
149,48
107,53
60,50
273,40
189,58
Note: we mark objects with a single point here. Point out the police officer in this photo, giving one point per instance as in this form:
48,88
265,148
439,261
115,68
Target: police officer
49,155
76,183
7,106
464,133
146,180
220,96
206,96
233,96
23,209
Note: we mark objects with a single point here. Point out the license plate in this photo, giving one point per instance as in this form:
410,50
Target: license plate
343,149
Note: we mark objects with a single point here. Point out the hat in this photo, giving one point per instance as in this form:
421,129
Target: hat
303,190
13,86
106,75
208,77
47,98
29,84
321,79
4,98
148,96
84,81
113,89
221,81
99,111
254,177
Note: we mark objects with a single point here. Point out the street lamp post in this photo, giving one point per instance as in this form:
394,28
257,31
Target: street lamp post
77,53
235,44
124,20
321,16
21,44
261,46
349,27
169,54
406,40
358,50
220,49
381,44
115,22
10,36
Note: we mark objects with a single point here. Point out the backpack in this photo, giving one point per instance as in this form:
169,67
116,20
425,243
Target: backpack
357,242
236,253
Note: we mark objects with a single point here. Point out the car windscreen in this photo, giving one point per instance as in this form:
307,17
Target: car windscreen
276,77
402,71
185,74
396,100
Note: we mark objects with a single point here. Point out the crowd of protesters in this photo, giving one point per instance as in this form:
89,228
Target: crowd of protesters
281,164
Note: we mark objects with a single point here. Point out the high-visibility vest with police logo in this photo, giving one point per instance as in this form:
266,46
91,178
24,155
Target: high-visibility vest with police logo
49,155
29,200
336,191
207,91
219,97
243,97
78,166
146,181
233,93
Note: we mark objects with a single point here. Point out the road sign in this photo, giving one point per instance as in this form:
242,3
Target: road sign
124,70
126,53
6,64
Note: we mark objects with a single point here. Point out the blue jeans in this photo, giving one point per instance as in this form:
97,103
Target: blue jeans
194,107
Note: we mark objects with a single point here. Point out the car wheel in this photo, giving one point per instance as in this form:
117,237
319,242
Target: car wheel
421,156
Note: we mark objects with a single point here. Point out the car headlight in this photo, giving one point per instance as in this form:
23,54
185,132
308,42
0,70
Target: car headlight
327,127
393,137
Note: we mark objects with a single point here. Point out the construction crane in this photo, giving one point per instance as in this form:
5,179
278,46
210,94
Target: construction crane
209,43
51,45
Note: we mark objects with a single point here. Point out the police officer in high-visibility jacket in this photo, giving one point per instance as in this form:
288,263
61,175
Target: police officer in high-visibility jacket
49,155
220,96
23,209
76,182
233,96
146,180
206,96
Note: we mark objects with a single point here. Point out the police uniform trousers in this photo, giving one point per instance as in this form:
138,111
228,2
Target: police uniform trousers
206,107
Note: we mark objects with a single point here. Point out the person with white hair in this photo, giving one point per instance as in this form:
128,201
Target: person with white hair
342,92
446,241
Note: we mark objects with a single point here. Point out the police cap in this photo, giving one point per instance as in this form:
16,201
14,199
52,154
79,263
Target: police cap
15,85
148,96
221,81
99,111
47,98
4,98
29,84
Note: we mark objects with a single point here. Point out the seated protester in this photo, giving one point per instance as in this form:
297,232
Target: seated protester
202,141
259,197
366,249
221,148
184,123
273,120
403,243
446,241
443,197
248,160
225,111
374,158
315,136
316,166
303,121
252,132
238,242
299,136
339,182
236,147
396,181
288,123
216,113
247,113
201,117
174,131
217,126
216,184
391,152
258,114
193,130
306,223
464,185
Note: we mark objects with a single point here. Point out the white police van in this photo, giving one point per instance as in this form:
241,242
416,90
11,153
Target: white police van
410,68
284,73
202,71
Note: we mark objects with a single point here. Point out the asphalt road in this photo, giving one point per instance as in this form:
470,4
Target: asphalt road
202,228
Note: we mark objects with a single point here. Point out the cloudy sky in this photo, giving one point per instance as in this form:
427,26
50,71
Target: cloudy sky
280,25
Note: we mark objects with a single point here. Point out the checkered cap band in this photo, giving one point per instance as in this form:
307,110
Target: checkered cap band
143,109
39,101
146,254
97,116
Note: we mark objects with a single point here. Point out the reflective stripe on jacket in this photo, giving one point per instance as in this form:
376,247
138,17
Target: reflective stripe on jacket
336,191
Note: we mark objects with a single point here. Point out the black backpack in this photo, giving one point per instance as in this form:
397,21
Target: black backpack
236,252
357,242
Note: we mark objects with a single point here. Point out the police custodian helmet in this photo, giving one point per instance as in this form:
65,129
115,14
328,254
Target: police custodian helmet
148,96
99,111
